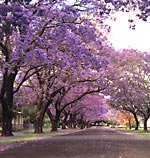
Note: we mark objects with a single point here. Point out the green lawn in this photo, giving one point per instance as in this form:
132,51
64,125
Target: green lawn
14,140
139,132
143,134
27,135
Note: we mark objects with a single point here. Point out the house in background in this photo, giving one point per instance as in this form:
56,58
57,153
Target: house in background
17,121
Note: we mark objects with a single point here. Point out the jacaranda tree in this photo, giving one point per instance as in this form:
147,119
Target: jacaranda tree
42,34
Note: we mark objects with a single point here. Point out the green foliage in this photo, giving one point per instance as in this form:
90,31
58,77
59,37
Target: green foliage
111,123
29,114
47,123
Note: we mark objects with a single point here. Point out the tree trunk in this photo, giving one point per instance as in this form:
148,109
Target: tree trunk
6,98
38,122
38,125
54,125
130,126
63,125
7,123
64,121
145,124
74,121
69,124
74,124
82,125
54,120
136,121
87,124
7,113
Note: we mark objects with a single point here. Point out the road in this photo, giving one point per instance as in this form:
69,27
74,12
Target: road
90,143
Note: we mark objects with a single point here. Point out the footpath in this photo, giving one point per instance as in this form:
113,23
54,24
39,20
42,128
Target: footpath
21,138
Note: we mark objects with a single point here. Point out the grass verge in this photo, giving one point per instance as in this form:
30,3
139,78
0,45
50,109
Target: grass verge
139,132
27,135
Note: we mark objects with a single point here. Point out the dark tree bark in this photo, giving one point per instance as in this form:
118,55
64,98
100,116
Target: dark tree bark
88,124
136,121
38,124
81,123
54,125
64,121
145,124
74,124
63,125
130,126
42,108
72,121
6,98
54,120
39,117
7,123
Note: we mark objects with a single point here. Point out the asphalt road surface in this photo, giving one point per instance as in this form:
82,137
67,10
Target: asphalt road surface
90,143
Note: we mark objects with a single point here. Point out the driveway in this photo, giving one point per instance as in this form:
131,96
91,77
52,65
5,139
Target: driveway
90,143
